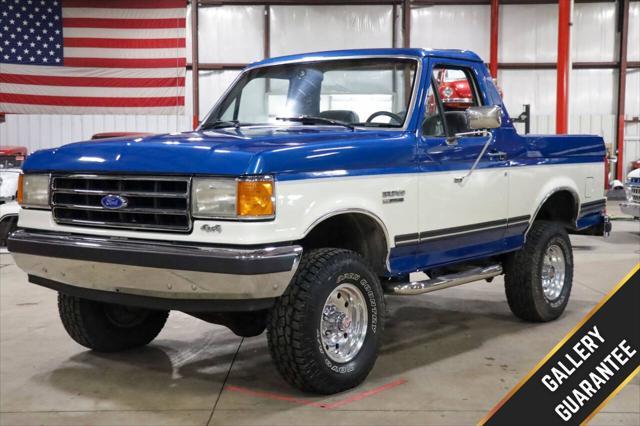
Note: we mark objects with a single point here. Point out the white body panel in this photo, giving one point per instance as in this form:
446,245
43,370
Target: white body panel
440,203
530,186
482,197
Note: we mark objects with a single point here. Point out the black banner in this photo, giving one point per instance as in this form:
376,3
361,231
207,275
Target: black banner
590,365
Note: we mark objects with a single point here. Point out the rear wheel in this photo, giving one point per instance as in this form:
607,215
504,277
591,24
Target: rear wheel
325,331
106,327
538,278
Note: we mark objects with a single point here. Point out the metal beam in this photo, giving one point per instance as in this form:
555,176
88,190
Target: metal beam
554,65
564,66
217,66
623,26
406,23
493,50
195,72
266,49
296,2
420,3
221,66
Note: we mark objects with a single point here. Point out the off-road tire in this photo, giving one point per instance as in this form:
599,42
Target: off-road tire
523,271
88,323
293,327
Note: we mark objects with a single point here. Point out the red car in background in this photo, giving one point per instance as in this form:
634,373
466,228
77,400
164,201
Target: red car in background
109,135
454,90
12,157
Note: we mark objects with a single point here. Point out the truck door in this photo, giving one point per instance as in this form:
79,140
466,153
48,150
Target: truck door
462,215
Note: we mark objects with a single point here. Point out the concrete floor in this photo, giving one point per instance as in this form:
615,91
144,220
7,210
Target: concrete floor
449,357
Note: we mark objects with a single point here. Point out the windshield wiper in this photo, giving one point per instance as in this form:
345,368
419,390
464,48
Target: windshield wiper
309,119
220,124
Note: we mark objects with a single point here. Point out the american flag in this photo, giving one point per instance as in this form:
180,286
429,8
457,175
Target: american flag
92,56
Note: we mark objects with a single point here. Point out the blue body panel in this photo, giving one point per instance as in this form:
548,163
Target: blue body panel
313,152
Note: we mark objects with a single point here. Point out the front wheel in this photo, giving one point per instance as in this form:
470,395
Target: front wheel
325,331
538,278
106,327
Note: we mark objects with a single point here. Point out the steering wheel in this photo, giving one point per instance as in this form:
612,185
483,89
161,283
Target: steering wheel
392,116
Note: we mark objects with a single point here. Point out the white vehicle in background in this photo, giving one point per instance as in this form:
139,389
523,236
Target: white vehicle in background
632,190
8,220
11,159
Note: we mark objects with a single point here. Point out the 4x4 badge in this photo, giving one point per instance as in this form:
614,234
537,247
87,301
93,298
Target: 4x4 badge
209,228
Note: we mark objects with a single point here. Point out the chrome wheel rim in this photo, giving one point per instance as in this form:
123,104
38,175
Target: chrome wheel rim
553,272
343,326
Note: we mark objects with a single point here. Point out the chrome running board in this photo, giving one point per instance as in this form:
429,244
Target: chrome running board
444,281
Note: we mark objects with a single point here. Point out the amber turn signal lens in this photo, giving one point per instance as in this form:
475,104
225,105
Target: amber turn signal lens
20,188
255,199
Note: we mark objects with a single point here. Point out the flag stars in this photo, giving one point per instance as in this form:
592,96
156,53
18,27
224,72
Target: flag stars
31,32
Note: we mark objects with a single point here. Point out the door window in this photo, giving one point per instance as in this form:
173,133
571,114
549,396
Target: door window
452,91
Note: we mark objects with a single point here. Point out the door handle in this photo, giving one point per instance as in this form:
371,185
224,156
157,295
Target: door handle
497,155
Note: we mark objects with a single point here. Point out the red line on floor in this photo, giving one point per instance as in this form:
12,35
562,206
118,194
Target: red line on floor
326,405
365,394
274,396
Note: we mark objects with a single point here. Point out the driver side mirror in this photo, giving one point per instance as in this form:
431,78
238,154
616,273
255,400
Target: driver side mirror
484,117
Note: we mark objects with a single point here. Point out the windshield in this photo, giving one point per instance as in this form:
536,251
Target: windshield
11,161
370,92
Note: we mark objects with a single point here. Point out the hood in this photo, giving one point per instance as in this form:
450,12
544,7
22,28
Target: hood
634,174
234,152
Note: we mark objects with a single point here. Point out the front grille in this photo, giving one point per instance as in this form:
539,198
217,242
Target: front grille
635,193
155,203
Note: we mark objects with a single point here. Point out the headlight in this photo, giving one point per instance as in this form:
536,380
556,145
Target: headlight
33,191
628,193
221,198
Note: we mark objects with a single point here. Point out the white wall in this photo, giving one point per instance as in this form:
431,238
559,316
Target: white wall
432,27
38,131
234,34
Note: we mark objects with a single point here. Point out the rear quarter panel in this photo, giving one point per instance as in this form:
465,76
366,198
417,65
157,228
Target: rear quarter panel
544,164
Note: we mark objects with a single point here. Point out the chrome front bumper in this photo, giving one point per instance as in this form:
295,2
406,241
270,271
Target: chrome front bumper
172,271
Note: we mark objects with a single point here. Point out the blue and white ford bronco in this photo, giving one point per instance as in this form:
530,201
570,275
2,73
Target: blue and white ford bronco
312,189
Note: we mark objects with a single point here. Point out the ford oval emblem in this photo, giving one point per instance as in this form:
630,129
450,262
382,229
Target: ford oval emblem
113,202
